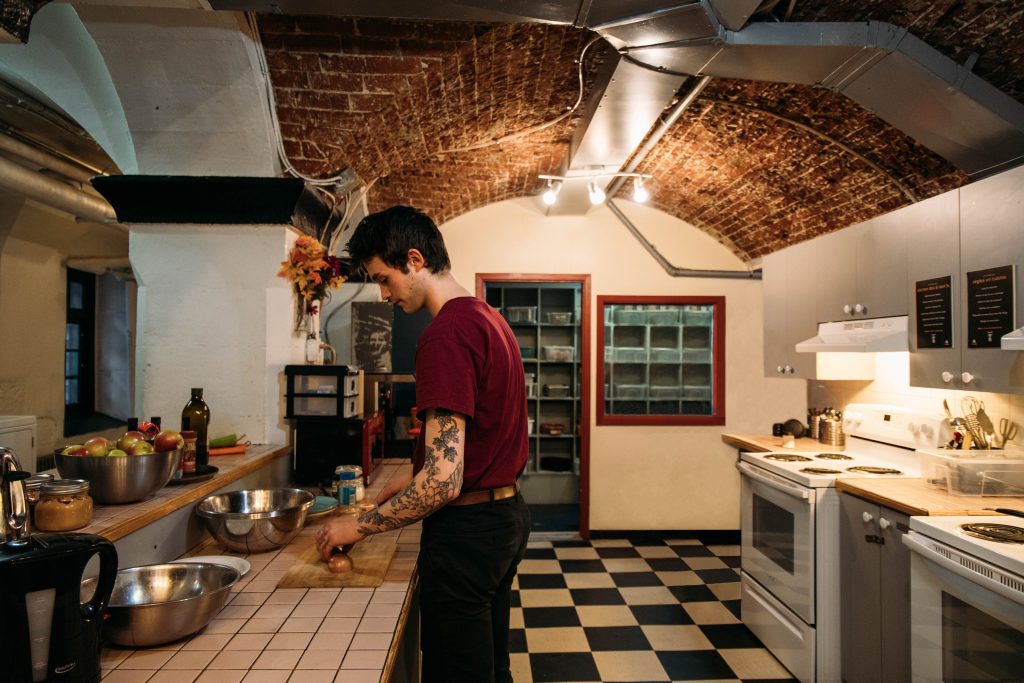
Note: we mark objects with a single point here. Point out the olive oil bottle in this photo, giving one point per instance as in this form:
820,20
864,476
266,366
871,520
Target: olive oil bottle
198,415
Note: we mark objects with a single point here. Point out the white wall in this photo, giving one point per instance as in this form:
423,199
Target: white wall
642,477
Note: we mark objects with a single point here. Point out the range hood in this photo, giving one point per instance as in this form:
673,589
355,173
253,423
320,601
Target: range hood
1013,341
858,336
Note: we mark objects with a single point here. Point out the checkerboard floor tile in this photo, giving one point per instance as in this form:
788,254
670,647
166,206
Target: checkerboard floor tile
640,610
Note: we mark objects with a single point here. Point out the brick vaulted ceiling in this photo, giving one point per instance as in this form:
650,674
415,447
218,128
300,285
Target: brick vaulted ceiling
756,165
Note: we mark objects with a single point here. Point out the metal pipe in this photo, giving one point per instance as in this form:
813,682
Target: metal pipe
676,271
25,151
55,193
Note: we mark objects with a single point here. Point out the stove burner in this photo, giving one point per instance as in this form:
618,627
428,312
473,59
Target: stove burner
873,470
1000,533
788,457
833,456
819,470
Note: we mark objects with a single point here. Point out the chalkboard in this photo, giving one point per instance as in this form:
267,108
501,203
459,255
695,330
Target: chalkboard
934,313
371,335
989,306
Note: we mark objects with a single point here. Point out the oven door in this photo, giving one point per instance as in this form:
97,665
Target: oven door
777,526
967,617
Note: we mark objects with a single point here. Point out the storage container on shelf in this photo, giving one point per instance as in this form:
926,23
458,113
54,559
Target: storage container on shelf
556,390
558,317
558,353
521,314
528,352
976,473
529,425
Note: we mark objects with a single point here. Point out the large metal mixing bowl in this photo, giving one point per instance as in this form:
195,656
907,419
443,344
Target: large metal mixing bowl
120,479
256,520
160,603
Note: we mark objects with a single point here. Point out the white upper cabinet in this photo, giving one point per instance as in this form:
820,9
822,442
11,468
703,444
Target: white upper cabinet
790,286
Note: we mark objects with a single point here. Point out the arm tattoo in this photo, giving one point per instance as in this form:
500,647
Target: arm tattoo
436,484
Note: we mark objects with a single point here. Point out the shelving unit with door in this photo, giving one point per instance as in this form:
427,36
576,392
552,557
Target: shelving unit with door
547,317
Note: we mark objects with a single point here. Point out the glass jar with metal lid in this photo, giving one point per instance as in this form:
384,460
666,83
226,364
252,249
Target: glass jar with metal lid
32,486
64,505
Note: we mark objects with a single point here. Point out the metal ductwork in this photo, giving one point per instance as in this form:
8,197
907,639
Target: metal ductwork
54,193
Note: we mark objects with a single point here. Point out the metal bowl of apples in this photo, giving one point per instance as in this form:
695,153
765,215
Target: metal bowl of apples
123,471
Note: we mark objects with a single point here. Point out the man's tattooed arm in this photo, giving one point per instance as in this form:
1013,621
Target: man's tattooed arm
438,482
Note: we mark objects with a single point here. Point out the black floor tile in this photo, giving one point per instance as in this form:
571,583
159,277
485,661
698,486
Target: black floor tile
731,560
541,581
661,615
692,551
515,600
730,636
696,593
667,564
616,553
578,566
545,617
517,640
635,579
694,665
570,544
556,667
610,638
540,554
718,575
596,596
733,606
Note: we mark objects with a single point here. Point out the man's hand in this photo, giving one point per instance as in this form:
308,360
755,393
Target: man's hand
393,486
338,531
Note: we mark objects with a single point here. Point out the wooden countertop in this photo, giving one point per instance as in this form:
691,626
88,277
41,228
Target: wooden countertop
114,522
912,496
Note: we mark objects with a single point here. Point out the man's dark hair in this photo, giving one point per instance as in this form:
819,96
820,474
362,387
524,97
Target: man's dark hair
391,233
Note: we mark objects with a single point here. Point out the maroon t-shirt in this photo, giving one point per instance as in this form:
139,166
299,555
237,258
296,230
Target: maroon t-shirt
468,361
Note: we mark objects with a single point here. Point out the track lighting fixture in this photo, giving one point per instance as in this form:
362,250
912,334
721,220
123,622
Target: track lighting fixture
595,192
640,193
550,195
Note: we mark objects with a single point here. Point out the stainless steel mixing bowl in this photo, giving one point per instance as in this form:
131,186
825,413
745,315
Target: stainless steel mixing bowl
123,478
160,603
256,520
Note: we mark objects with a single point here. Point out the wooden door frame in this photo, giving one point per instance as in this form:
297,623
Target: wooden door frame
585,376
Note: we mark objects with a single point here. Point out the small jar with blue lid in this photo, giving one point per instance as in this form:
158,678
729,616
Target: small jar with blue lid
351,490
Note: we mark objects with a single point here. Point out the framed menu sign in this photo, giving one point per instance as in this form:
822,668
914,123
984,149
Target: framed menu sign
989,306
934,313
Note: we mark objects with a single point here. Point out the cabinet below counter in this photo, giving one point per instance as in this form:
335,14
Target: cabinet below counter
915,497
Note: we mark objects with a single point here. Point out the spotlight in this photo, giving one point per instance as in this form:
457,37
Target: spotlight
640,193
596,193
550,195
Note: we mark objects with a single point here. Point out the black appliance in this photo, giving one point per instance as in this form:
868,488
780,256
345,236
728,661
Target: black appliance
48,633
321,445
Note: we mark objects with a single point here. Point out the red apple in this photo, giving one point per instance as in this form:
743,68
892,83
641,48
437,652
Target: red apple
69,450
150,429
81,450
128,438
168,440
97,446
139,448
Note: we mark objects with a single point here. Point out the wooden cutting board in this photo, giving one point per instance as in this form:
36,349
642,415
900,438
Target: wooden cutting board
369,564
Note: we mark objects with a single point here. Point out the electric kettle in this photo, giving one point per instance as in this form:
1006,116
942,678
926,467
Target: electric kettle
48,633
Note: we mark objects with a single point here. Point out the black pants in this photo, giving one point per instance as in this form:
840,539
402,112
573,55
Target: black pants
468,559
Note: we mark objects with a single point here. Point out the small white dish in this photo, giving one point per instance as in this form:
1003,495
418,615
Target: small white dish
239,564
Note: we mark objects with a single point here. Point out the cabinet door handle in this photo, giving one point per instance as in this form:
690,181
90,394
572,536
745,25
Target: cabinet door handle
883,523
859,308
847,309
779,369
789,369
867,517
966,377
947,376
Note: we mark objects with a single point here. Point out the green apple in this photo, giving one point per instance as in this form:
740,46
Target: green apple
140,448
67,451
115,453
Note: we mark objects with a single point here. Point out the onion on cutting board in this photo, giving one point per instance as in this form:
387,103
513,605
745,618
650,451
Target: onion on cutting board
340,561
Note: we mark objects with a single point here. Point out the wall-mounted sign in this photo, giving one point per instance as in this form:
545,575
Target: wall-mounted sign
935,313
989,306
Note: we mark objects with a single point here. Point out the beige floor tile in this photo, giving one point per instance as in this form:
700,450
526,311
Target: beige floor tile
589,580
559,639
321,659
146,659
676,637
289,641
683,578
175,676
515,618
331,641
682,541
724,550
211,641
249,641
190,659
371,641
605,615
546,597
267,676
726,591
538,544
626,564
753,663
277,659
704,563
364,659
234,659
540,567
576,553
656,551
704,613
610,543
521,671
648,595
129,675
642,665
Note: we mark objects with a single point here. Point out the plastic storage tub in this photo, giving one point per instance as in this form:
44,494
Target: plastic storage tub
556,390
558,353
521,314
975,473
558,318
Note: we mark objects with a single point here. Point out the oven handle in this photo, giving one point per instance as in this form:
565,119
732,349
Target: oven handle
790,490
994,585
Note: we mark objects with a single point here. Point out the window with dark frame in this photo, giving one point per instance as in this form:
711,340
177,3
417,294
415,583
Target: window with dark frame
664,360
79,346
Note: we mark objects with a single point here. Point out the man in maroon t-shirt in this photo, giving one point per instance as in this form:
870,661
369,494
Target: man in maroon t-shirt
471,396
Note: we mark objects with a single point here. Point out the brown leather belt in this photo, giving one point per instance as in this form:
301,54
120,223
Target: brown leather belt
486,495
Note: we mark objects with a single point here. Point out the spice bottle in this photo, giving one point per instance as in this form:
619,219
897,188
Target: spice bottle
188,451
198,414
